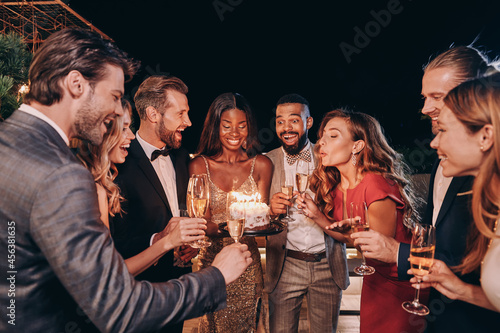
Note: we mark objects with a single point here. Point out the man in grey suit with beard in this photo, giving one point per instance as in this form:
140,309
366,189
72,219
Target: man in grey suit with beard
61,256
302,260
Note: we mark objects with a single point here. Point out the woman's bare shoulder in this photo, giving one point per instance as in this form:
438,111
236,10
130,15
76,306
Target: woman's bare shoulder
263,165
263,161
197,165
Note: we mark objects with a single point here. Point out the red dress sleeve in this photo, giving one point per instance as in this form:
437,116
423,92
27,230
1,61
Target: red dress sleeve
378,188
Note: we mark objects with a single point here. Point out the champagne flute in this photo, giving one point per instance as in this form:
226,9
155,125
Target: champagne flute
197,200
301,178
288,190
359,222
236,226
423,245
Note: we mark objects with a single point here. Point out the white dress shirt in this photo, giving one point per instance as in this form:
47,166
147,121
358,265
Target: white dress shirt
441,185
166,173
303,234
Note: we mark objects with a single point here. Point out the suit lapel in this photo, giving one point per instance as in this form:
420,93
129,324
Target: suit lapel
455,186
282,168
429,209
181,177
147,168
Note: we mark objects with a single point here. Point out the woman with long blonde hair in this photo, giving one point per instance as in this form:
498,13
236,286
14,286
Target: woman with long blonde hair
101,160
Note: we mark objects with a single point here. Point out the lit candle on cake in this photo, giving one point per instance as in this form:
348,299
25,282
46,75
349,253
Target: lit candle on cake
249,207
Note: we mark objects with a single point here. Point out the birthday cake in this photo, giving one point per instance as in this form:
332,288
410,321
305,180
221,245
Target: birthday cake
256,214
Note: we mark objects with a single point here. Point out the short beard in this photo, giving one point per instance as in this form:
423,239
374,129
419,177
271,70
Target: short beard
297,148
88,122
168,137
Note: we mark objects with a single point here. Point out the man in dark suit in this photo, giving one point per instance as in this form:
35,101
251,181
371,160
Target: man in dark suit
303,246
448,205
60,254
154,184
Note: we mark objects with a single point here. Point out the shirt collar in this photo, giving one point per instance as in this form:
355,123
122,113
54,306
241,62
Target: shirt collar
146,146
35,113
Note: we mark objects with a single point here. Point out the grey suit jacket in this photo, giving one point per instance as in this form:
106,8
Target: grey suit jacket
276,244
63,256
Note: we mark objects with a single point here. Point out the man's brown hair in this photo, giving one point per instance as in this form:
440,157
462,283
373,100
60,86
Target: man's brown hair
73,49
153,92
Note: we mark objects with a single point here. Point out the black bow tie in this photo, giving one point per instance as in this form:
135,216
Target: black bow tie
158,152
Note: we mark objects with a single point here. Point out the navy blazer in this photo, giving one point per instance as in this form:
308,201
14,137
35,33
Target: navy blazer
62,256
452,226
146,209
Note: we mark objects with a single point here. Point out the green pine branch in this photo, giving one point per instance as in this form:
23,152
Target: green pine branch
15,59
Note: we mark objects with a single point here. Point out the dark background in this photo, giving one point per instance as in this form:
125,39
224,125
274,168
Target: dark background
265,49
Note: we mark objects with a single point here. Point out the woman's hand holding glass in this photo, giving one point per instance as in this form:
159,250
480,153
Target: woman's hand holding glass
423,245
182,230
308,206
343,226
187,231
442,279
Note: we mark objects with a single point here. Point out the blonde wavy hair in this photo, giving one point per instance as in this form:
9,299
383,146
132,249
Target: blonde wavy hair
476,103
96,159
377,157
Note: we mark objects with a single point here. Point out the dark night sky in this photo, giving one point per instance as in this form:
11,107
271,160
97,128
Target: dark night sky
265,49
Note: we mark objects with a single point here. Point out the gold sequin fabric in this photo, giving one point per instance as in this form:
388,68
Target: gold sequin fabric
243,295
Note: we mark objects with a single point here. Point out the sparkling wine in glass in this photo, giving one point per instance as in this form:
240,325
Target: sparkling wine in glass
359,222
197,200
303,171
422,248
302,182
236,227
288,190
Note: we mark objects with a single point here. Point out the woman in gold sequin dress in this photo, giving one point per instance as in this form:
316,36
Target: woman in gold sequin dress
228,154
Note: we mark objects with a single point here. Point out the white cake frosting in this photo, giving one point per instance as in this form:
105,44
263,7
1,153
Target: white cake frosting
256,214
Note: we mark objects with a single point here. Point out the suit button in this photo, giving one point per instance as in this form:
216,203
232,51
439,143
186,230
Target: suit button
282,247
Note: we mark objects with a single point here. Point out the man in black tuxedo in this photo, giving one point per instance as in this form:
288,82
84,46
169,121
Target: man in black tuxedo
448,205
154,177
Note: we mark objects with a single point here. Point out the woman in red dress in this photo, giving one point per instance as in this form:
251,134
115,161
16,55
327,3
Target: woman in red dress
357,164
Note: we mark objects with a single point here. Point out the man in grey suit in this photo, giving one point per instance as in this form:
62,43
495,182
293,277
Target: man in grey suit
302,260
60,254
